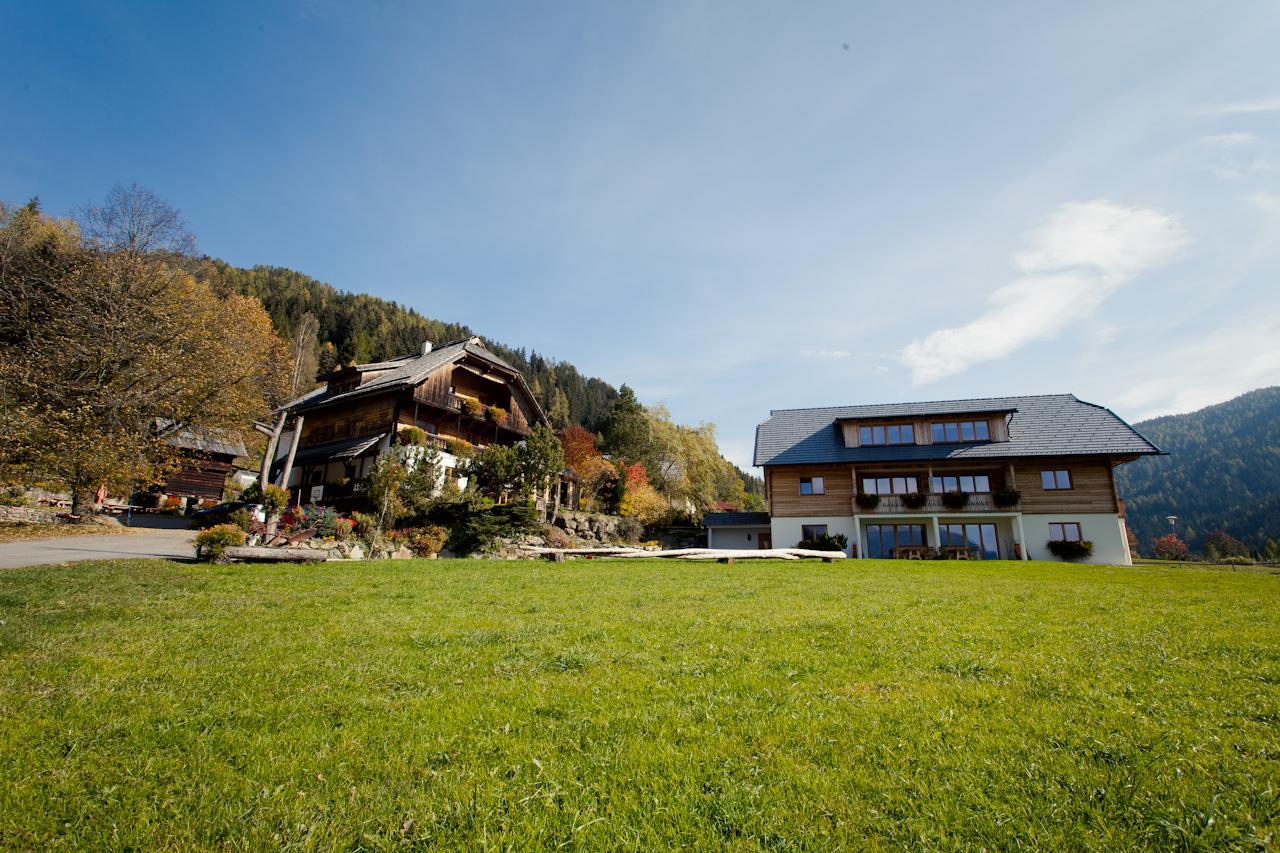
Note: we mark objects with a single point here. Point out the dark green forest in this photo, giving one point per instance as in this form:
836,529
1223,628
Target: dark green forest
361,328
1222,473
356,327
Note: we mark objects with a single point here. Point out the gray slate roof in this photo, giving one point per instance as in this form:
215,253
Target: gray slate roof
736,519
404,372
1043,425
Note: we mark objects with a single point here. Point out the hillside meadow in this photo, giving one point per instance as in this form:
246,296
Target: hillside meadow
638,705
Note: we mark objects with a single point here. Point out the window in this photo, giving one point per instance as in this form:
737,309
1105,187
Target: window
812,532
883,538
1068,531
812,486
892,434
889,485
1053,480
960,431
972,483
977,537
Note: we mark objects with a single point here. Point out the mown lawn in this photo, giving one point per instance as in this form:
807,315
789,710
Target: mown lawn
639,705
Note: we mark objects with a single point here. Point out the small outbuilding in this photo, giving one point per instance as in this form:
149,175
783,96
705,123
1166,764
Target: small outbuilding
738,531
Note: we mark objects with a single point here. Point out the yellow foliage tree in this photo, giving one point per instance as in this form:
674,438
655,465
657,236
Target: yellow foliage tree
104,355
644,503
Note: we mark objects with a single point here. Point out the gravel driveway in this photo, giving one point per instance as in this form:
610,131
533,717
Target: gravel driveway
67,549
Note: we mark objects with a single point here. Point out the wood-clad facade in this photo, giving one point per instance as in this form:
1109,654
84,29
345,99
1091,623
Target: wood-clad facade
458,395
985,478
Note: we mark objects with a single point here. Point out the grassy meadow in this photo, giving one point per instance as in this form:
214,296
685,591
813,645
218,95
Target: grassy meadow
638,705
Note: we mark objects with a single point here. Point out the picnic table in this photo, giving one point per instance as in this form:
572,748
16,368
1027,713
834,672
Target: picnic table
960,552
910,552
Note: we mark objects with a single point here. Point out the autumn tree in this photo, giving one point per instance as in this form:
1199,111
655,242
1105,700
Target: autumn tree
579,446
1219,543
1169,547
105,355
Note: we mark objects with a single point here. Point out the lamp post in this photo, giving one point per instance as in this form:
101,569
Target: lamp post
1173,523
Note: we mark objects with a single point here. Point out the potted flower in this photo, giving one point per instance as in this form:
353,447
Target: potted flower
1068,549
1006,497
914,500
866,502
955,500
497,414
470,406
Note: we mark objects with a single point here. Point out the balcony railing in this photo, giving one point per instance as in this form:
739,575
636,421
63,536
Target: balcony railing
893,504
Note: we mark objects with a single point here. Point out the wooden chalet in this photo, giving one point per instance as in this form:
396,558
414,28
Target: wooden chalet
460,394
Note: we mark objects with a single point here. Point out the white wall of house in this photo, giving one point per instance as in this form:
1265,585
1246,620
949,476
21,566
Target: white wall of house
1104,530
735,538
786,531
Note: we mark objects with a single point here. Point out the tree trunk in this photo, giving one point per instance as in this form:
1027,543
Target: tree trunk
268,455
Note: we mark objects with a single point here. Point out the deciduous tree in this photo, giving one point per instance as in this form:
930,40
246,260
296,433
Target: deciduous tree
104,356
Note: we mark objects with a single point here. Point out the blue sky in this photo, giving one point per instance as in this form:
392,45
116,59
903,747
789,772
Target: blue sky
733,207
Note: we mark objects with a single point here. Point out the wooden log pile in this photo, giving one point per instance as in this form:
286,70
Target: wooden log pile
264,554
724,556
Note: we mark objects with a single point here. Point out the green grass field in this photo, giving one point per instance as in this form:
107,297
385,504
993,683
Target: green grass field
639,705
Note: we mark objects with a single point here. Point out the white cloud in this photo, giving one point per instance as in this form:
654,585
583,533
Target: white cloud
1263,105
1230,139
1206,370
1082,253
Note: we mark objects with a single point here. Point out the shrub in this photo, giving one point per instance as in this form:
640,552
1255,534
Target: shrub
914,500
955,499
1006,496
425,541
243,519
866,502
211,543
459,448
477,525
365,524
825,542
412,436
1069,549
14,496
274,500
497,414
1236,560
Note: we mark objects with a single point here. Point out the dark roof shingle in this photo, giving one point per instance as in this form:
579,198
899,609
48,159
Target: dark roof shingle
1043,425
736,519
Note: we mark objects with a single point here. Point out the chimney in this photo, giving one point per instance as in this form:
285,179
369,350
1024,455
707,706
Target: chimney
426,347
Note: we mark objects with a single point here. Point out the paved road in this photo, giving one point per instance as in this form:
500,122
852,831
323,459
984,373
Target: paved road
67,549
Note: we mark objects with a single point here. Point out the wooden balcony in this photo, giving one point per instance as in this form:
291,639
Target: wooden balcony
478,411
933,505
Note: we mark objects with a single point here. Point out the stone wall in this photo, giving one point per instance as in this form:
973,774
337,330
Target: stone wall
29,515
592,527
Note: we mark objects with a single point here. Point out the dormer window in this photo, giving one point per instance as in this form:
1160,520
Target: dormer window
953,431
886,434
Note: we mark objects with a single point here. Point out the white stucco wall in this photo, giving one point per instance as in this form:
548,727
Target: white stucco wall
735,538
1104,530
786,531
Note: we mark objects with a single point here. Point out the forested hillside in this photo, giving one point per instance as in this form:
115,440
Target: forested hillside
328,327
358,327
1222,472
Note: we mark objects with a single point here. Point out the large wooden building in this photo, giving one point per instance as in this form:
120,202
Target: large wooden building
987,478
460,394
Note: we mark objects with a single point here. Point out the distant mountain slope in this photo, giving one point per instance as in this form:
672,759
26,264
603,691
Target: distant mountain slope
358,327
1223,472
